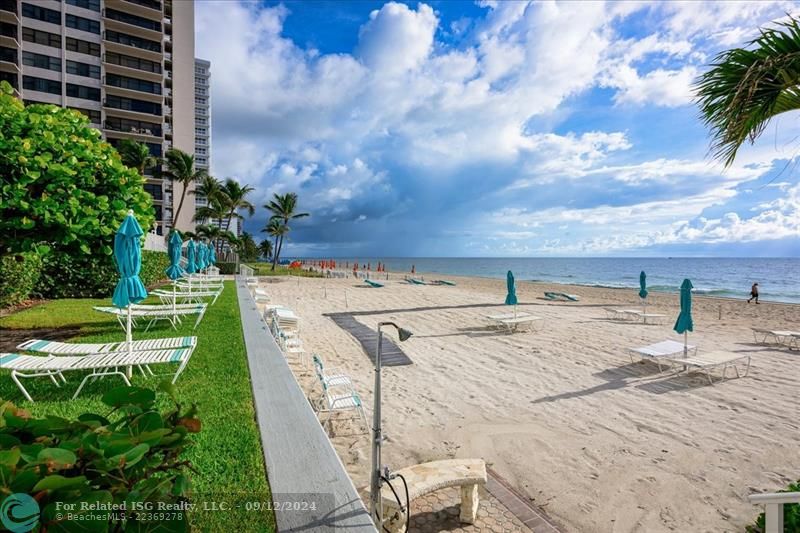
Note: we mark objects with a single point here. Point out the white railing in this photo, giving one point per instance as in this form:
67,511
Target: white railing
773,508
246,271
155,242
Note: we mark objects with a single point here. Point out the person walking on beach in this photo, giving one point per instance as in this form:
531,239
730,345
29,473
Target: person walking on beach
753,293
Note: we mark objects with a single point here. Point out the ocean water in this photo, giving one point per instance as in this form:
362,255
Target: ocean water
778,278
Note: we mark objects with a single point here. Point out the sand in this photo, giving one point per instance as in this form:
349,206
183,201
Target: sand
600,443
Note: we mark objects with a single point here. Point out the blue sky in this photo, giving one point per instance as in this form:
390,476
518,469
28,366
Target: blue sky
449,128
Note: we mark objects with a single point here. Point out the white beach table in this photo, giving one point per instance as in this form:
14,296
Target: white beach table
669,351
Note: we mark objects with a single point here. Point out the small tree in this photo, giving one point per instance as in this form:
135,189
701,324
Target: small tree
63,190
180,168
265,249
283,208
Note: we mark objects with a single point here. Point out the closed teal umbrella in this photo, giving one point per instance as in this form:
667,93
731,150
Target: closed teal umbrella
191,257
684,323
642,285
128,258
201,256
212,255
174,270
511,297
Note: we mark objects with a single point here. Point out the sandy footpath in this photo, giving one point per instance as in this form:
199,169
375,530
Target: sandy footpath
600,443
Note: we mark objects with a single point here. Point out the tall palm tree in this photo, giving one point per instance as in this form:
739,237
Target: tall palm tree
282,207
136,155
276,230
209,188
747,87
265,247
236,199
180,168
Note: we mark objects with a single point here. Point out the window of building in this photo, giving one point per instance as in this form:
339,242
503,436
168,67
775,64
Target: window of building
133,126
155,190
93,5
152,4
8,54
200,151
41,13
130,40
93,114
30,83
41,61
200,131
81,91
83,47
83,69
200,141
134,20
41,37
133,84
200,91
83,24
199,111
155,149
10,77
200,101
201,161
129,104
200,121
133,62
8,30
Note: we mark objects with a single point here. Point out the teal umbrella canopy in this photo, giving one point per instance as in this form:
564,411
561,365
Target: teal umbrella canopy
201,256
174,270
684,322
128,258
642,285
212,255
511,297
191,257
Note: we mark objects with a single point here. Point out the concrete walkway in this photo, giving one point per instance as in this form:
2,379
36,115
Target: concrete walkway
311,490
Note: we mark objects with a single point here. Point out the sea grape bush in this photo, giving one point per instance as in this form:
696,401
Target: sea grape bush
63,190
93,473
19,274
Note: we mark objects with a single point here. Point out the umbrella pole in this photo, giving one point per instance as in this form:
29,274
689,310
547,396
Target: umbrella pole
129,339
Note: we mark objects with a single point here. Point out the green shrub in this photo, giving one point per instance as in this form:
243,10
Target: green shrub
791,515
153,266
19,274
93,276
129,458
226,268
64,190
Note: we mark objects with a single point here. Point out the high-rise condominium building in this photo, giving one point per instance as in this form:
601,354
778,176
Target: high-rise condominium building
128,65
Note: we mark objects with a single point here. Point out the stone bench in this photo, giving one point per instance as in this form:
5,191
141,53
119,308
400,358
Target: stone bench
429,477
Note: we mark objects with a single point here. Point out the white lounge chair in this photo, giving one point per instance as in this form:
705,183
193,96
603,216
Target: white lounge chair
260,296
154,313
705,362
505,316
338,400
520,323
73,348
662,351
622,314
197,296
329,376
783,337
101,364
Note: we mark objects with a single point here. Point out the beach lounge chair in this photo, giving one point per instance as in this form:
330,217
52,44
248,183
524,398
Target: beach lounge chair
338,400
783,337
416,281
622,314
100,365
520,323
443,282
260,296
154,313
373,283
561,297
329,376
505,316
74,348
669,351
705,362
196,296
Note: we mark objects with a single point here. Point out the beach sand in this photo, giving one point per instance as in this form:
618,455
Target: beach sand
600,443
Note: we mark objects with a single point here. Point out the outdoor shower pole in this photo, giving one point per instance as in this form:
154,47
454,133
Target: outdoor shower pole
377,437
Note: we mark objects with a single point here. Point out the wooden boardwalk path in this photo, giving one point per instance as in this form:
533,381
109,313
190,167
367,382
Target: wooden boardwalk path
302,465
391,354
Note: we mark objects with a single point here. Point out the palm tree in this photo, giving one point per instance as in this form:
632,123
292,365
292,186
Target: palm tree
277,230
208,187
283,207
236,199
265,247
136,155
747,87
180,168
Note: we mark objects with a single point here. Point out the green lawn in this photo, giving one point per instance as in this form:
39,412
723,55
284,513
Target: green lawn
265,269
227,454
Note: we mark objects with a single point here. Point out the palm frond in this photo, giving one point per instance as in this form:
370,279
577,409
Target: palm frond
747,87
